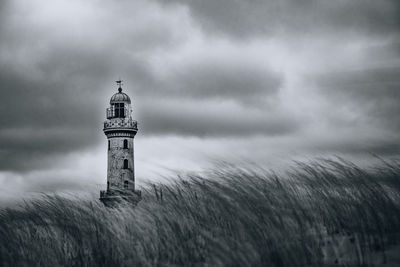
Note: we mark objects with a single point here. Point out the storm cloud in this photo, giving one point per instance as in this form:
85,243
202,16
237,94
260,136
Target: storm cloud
374,91
250,79
246,19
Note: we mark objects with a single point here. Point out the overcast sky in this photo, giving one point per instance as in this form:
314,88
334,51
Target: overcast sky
235,80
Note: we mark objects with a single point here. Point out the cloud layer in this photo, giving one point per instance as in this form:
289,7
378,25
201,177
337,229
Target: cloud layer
277,78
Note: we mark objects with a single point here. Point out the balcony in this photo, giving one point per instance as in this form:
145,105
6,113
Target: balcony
120,123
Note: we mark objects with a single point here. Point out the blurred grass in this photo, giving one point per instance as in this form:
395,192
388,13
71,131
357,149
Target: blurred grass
323,213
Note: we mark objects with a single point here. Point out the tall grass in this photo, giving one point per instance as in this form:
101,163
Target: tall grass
232,217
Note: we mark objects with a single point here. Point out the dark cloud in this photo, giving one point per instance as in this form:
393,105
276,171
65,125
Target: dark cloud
251,18
202,119
238,81
226,81
42,118
376,92
356,145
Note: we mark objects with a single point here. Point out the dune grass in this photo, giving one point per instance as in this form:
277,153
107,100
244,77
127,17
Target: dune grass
323,213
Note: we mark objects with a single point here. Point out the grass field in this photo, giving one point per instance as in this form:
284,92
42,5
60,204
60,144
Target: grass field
323,213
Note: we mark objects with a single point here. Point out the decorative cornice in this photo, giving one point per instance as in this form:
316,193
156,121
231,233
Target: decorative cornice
110,133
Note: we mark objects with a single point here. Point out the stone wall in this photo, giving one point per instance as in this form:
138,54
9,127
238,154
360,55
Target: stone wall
116,174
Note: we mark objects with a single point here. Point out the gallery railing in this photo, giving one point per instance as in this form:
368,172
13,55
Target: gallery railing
120,123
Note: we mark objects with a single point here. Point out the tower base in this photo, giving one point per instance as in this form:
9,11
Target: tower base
113,198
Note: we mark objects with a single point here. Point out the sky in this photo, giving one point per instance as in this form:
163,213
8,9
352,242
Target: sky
239,81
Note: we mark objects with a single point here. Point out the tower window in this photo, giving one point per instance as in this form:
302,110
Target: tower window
126,183
109,145
125,164
125,144
119,110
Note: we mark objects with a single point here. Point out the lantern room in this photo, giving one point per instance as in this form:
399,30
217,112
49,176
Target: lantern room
120,105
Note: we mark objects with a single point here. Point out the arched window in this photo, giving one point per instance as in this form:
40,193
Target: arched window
108,185
126,183
109,145
125,144
125,164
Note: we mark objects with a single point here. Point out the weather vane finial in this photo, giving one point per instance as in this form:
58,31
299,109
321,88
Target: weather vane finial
119,82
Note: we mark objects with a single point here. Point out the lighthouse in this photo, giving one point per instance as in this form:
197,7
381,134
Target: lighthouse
120,130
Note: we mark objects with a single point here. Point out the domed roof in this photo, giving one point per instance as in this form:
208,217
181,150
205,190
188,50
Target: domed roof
120,97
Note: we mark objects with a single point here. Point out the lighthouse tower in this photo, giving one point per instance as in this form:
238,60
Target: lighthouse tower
120,130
